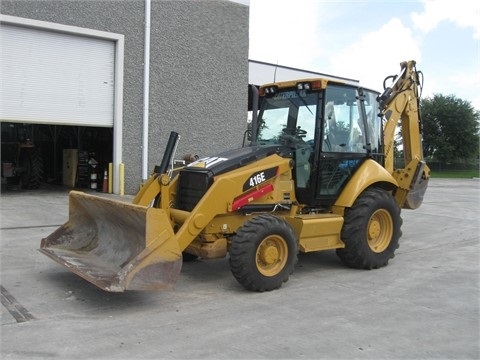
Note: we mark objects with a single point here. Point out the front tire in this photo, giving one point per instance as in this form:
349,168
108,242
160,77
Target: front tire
263,253
371,230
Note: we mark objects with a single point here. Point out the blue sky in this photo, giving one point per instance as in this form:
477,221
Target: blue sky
367,40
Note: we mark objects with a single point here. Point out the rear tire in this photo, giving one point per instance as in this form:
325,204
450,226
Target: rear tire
263,253
371,230
32,163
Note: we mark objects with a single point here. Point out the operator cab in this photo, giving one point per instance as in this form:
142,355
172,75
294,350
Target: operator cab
331,127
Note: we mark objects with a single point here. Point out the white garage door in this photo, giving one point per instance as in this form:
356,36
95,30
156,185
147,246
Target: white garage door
53,77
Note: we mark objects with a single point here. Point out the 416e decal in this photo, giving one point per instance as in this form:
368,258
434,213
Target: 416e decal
259,177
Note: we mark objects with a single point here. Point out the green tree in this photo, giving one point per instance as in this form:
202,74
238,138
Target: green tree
450,129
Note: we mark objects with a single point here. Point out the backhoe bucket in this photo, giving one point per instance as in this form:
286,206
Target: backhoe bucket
115,245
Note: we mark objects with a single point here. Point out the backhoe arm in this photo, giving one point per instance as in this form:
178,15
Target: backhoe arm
400,103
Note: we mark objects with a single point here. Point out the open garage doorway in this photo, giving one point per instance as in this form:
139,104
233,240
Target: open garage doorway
34,155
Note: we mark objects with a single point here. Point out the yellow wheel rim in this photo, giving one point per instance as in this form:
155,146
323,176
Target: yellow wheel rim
272,254
379,230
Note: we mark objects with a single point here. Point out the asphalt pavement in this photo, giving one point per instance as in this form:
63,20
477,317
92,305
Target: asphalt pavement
423,305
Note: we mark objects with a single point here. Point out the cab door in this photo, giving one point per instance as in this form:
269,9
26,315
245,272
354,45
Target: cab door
346,141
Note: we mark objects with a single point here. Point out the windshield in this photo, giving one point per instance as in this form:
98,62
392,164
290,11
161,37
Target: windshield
287,113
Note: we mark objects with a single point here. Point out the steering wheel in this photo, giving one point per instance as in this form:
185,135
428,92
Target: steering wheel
295,132
301,132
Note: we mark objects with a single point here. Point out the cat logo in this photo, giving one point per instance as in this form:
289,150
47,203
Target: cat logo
207,162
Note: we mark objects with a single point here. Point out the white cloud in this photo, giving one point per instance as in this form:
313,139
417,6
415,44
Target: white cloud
284,31
377,55
463,13
463,83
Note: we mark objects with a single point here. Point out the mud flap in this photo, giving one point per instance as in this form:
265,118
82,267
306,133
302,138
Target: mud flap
116,246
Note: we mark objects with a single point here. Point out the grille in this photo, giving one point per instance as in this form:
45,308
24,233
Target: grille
192,187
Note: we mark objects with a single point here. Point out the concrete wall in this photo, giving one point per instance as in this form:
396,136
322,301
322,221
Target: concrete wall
198,70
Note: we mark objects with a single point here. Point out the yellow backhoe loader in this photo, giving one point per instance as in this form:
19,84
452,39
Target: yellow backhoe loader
318,173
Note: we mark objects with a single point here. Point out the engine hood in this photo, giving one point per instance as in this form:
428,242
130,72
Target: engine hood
236,158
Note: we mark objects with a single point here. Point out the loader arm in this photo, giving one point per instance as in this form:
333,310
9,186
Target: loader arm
399,104
149,191
223,195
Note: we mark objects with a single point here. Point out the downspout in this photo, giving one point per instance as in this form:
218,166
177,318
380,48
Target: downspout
146,91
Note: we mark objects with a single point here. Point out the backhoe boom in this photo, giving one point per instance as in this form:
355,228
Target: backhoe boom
399,105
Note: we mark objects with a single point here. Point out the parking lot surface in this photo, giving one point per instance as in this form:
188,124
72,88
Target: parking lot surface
423,305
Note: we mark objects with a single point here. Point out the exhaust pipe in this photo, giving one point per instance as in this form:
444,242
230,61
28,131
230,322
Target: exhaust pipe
167,160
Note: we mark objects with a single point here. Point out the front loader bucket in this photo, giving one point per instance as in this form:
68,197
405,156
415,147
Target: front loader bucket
115,245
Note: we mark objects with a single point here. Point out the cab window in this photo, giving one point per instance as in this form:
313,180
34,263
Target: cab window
343,126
